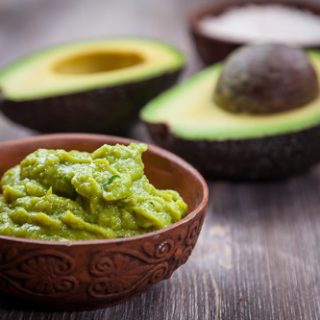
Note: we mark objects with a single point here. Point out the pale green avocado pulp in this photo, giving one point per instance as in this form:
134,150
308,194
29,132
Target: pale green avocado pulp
190,112
83,66
60,195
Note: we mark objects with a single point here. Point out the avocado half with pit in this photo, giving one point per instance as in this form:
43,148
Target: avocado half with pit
93,86
256,116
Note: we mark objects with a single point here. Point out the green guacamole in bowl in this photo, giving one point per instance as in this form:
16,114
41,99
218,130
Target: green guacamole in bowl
60,195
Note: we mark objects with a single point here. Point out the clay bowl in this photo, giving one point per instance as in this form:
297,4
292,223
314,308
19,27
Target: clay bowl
90,274
213,49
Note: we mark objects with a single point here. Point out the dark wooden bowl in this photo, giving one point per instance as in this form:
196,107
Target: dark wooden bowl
213,49
89,274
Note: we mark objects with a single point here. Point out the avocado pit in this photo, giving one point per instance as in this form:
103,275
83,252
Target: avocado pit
266,78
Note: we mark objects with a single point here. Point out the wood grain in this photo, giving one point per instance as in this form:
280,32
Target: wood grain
258,255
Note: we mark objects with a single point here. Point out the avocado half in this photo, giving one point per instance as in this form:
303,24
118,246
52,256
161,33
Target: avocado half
229,145
94,86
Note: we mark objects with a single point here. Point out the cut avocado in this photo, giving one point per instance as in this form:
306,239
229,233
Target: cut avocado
224,144
96,86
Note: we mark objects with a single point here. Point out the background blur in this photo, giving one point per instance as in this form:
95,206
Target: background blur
29,25
258,255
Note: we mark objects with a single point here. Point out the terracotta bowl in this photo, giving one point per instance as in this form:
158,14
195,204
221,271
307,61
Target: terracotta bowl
90,274
213,49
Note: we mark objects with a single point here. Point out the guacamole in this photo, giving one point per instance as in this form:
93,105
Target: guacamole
60,195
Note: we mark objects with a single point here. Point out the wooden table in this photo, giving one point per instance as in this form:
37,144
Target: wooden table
258,255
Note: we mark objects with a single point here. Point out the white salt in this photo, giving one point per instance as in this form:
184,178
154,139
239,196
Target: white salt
264,23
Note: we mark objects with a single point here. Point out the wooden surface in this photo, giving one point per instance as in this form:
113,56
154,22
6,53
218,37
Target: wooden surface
258,255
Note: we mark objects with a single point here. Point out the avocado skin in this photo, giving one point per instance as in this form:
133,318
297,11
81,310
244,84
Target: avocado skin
109,110
265,158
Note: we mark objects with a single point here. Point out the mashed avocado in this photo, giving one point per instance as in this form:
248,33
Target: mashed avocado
60,195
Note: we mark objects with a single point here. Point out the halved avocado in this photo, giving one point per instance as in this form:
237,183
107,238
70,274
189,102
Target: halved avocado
95,86
240,146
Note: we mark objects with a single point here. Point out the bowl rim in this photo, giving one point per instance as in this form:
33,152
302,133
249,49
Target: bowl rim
199,13
113,139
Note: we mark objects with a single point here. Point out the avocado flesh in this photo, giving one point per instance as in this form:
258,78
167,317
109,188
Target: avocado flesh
84,66
190,112
230,146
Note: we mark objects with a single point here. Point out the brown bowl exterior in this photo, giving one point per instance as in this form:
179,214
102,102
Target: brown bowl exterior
91,274
212,50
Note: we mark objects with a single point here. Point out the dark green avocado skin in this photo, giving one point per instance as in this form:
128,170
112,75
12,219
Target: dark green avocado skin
266,158
109,110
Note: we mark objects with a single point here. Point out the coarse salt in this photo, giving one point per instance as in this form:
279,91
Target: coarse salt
264,23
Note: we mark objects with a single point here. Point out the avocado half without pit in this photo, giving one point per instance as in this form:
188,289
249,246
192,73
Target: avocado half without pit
93,86
254,117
